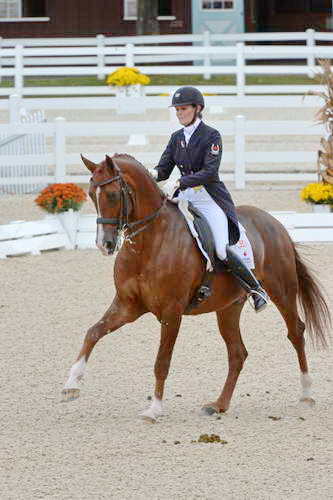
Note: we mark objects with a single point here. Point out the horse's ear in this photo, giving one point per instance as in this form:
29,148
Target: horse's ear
89,164
109,161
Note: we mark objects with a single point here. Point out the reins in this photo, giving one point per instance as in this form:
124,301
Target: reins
122,221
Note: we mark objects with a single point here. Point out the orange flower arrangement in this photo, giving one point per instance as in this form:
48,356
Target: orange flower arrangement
58,198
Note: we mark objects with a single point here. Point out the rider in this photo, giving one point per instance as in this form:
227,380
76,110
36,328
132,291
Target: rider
197,150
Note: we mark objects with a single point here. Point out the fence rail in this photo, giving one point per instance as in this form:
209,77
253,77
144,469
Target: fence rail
23,58
59,159
50,233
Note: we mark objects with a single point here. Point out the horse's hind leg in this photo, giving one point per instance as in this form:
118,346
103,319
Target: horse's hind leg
228,321
116,316
285,299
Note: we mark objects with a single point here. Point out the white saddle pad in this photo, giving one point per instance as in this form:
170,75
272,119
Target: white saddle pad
242,247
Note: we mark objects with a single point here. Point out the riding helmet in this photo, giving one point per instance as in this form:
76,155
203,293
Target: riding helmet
188,95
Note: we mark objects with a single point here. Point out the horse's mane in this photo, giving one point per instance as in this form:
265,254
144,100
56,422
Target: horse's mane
142,168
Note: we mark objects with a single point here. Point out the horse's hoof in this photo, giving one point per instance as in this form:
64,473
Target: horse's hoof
308,401
70,394
208,410
149,416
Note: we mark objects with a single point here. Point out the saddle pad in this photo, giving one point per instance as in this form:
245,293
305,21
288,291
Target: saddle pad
242,247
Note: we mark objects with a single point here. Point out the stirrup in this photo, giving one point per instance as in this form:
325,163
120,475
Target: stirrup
263,295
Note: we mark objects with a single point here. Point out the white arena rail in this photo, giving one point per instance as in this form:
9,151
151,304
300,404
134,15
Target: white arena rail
216,103
20,62
20,237
239,129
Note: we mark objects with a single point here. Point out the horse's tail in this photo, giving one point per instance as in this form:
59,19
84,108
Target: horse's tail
313,304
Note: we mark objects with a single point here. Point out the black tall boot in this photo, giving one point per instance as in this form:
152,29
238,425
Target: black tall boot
246,279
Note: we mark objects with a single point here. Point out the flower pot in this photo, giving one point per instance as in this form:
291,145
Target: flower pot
129,99
69,221
321,208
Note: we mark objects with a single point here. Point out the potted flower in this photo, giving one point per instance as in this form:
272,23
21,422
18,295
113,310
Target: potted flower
320,195
128,82
64,200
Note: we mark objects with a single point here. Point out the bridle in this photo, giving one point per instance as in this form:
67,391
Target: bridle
122,222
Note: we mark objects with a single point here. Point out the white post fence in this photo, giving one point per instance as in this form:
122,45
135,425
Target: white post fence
206,43
19,79
100,41
60,149
310,43
263,164
102,55
129,58
239,151
240,75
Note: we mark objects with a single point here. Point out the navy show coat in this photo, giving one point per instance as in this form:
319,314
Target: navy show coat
199,163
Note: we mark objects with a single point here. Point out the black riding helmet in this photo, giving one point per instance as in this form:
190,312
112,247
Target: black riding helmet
187,95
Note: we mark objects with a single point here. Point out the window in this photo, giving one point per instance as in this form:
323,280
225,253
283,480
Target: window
164,10
285,6
22,8
217,5
33,8
321,6
130,9
10,8
303,6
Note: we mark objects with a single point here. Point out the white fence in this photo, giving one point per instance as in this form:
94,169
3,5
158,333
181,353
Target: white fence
240,157
23,144
104,56
216,103
20,237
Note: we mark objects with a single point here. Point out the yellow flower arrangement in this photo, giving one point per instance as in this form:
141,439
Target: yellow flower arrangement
318,193
127,76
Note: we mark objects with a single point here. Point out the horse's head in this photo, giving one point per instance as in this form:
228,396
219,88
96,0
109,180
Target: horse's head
110,195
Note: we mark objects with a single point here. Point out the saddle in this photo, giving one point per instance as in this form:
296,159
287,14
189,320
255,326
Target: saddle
207,241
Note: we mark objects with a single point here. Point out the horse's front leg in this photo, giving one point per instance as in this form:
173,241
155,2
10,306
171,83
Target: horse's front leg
169,331
116,316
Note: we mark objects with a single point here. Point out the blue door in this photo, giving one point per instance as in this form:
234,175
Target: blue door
218,16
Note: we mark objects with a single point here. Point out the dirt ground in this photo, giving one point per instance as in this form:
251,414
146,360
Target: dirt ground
97,447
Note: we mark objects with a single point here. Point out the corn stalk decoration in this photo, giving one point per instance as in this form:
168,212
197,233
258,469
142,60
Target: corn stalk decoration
325,116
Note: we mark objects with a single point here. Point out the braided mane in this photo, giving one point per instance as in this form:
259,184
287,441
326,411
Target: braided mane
145,171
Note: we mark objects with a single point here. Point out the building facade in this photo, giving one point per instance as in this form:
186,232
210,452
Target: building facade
43,18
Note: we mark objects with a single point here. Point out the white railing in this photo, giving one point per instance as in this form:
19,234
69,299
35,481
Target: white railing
241,158
214,103
21,237
99,60
23,144
308,37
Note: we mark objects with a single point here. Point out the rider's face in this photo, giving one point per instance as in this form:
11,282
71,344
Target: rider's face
185,114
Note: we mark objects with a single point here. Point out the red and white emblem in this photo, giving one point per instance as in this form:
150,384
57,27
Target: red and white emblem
215,149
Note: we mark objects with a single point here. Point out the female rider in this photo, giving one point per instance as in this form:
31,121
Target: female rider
197,150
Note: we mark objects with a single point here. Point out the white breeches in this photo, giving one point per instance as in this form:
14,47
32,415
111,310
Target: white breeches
214,214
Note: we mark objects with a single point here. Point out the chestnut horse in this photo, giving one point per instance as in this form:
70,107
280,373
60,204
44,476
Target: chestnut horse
159,268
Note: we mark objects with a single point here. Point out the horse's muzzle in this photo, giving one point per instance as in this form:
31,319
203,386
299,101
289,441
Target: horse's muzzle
108,245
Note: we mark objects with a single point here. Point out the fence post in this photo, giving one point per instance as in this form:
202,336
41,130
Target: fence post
129,55
240,67
60,149
100,43
206,43
0,58
14,108
19,70
310,43
239,151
